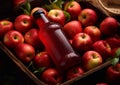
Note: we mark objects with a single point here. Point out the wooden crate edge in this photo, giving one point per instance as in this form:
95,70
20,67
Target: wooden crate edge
20,64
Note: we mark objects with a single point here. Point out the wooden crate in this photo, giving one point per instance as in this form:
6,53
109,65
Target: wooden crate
24,69
37,80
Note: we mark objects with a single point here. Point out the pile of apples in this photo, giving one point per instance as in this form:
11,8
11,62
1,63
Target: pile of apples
95,42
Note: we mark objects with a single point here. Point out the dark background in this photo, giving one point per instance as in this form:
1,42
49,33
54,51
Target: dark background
6,7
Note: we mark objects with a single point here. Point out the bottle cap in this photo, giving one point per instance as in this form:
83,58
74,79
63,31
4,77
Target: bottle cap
37,13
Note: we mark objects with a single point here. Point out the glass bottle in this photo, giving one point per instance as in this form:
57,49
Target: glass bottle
56,43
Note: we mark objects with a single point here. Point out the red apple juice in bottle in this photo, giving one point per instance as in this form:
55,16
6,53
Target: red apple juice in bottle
56,43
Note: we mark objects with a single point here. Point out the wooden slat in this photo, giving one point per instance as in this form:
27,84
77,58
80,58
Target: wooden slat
88,73
20,64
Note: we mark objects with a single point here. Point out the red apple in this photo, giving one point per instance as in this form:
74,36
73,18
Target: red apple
18,2
31,37
13,38
42,59
102,83
25,52
91,59
74,72
73,8
51,76
57,15
5,26
109,26
113,74
82,42
88,17
113,41
94,32
102,47
23,23
72,28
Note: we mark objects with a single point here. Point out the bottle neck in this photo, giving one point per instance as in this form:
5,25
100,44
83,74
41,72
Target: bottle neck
44,18
40,14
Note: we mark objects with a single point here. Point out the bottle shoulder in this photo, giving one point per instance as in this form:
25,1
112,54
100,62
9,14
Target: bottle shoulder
52,25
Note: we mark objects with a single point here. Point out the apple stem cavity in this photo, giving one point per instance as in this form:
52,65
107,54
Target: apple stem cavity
83,36
68,5
25,22
16,38
84,16
56,14
95,56
5,23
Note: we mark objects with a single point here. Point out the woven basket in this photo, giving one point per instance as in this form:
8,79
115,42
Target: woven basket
109,7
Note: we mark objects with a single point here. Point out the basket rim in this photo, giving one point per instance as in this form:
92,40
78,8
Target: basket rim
112,10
